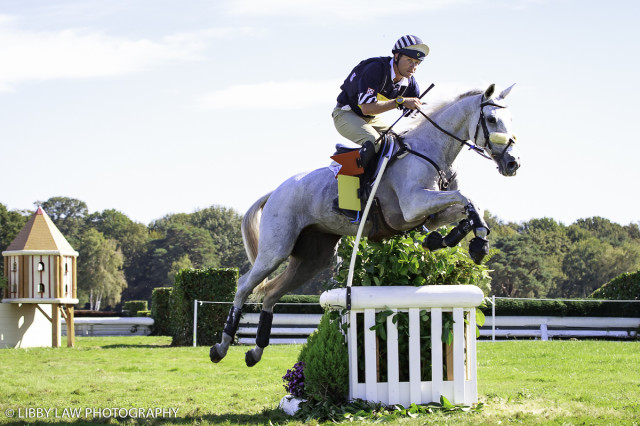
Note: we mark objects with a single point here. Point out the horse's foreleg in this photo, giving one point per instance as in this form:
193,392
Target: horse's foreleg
435,202
422,203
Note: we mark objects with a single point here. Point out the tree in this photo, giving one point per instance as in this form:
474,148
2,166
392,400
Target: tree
224,226
100,272
161,255
69,215
11,222
591,262
520,268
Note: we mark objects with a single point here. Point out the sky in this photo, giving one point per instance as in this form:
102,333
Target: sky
153,107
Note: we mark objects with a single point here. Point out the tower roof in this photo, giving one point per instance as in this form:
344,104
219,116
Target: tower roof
40,235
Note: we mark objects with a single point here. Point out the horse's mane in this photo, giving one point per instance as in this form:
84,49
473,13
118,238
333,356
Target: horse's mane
433,109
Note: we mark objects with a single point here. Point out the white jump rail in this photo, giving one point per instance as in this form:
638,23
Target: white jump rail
461,300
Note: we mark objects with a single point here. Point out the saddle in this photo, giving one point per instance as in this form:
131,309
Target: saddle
354,181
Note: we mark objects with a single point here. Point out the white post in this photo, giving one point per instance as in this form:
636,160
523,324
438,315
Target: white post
493,318
195,322
544,336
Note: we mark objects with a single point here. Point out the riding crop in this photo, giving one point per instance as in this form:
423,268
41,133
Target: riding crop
363,220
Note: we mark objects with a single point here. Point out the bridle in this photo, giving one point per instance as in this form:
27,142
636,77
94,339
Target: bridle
482,122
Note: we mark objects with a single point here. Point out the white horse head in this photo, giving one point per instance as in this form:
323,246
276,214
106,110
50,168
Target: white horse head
493,131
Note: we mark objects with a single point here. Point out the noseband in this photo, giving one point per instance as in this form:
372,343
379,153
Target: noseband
482,121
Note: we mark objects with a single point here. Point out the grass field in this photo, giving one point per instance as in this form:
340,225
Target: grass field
526,382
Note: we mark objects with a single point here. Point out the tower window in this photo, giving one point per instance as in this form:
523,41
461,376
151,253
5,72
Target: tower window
40,267
40,288
15,266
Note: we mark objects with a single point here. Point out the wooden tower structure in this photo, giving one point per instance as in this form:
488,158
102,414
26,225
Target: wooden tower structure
41,269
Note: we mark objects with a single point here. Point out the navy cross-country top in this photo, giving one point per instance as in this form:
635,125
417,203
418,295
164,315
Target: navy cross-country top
372,81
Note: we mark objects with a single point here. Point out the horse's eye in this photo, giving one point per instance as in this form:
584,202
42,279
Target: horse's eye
492,120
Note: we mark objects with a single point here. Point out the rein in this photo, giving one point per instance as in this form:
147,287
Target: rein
482,122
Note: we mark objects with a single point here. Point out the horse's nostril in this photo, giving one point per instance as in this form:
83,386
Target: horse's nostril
512,165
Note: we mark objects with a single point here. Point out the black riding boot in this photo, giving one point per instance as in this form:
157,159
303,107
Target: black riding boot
367,152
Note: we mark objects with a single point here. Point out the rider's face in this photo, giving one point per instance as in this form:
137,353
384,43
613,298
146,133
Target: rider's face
407,66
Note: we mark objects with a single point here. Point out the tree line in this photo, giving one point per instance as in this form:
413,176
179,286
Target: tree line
121,259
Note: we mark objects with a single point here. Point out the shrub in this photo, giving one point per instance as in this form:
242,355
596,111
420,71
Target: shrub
568,308
311,305
202,284
160,310
132,307
402,261
326,371
622,287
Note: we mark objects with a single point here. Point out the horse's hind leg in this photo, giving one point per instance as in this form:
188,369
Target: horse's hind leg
266,262
312,253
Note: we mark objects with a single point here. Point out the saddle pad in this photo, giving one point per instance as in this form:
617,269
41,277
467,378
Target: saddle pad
348,192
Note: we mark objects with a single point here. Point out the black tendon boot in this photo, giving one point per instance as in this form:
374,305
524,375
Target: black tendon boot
434,241
458,233
219,351
264,329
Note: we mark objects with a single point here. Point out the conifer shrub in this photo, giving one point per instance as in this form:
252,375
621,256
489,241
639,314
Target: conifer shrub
326,360
160,311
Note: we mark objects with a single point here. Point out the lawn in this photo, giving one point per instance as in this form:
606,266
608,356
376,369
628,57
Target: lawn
528,382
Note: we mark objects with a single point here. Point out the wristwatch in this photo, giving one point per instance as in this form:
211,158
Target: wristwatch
399,101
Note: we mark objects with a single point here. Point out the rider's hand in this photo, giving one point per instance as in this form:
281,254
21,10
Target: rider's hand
412,103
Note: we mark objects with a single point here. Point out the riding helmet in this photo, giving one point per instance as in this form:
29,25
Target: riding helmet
411,46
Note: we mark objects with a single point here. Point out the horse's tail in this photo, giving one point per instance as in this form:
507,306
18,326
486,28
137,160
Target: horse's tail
251,227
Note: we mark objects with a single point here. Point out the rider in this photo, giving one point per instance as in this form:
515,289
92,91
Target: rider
377,85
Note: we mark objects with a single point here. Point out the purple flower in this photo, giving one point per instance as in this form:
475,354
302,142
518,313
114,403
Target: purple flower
295,380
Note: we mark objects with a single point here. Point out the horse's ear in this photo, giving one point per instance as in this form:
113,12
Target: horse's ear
489,92
505,92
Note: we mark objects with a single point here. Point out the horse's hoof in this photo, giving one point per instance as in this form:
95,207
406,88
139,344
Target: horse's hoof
478,249
215,355
434,241
249,359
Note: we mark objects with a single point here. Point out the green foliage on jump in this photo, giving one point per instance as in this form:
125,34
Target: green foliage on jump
623,287
326,361
212,284
402,261
161,310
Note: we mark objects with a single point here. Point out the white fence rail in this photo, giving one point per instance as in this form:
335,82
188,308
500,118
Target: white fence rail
111,326
459,387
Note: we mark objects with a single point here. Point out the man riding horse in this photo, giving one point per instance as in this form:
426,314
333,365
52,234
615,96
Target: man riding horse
378,85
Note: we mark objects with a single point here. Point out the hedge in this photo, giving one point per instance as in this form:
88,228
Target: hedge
312,305
622,287
571,308
131,307
212,284
160,311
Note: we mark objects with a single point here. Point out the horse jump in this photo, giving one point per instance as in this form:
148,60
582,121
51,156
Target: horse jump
296,221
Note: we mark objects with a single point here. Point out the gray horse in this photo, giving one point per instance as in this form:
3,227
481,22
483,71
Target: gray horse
419,187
